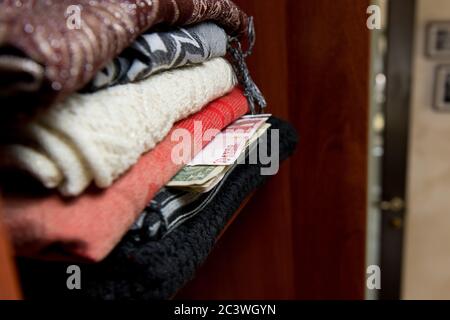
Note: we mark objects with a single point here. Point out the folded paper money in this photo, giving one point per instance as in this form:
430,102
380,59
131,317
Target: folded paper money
227,146
203,177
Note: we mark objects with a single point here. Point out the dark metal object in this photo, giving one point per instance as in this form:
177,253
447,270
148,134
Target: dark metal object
397,109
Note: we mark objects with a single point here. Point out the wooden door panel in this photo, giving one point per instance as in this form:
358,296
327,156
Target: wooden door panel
303,236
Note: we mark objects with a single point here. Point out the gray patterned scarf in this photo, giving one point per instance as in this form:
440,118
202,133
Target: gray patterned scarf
154,52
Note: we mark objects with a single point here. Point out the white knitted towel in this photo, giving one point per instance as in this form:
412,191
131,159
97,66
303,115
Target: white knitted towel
101,135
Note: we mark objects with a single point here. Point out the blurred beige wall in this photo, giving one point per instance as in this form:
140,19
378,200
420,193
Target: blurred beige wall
427,251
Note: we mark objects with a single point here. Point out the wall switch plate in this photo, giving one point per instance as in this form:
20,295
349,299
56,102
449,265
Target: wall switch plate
438,39
442,90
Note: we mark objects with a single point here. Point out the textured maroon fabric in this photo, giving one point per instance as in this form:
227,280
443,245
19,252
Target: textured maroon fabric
90,226
45,31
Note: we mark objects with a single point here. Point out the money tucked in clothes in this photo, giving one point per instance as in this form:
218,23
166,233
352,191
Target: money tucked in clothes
208,186
245,127
202,179
228,145
197,175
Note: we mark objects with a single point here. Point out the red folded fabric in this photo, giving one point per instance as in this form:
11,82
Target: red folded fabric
89,227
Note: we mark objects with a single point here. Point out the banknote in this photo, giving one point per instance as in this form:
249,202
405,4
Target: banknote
208,186
206,178
211,184
261,115
226,147
198,175
246,127
258,133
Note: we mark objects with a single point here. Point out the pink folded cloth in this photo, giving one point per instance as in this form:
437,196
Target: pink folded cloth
89,227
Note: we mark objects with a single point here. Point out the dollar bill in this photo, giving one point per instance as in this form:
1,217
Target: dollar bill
198,175
208,186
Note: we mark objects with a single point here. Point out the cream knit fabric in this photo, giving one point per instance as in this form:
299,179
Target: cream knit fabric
99,136
36,163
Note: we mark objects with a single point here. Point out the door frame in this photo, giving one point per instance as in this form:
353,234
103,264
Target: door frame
396,136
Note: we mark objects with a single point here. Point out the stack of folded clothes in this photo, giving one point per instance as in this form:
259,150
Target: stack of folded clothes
145,266
95,94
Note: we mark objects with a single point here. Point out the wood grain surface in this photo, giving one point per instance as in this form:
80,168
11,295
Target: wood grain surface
303,235
9,288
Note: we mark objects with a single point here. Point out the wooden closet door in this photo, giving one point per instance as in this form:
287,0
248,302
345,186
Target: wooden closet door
9,288
303,235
